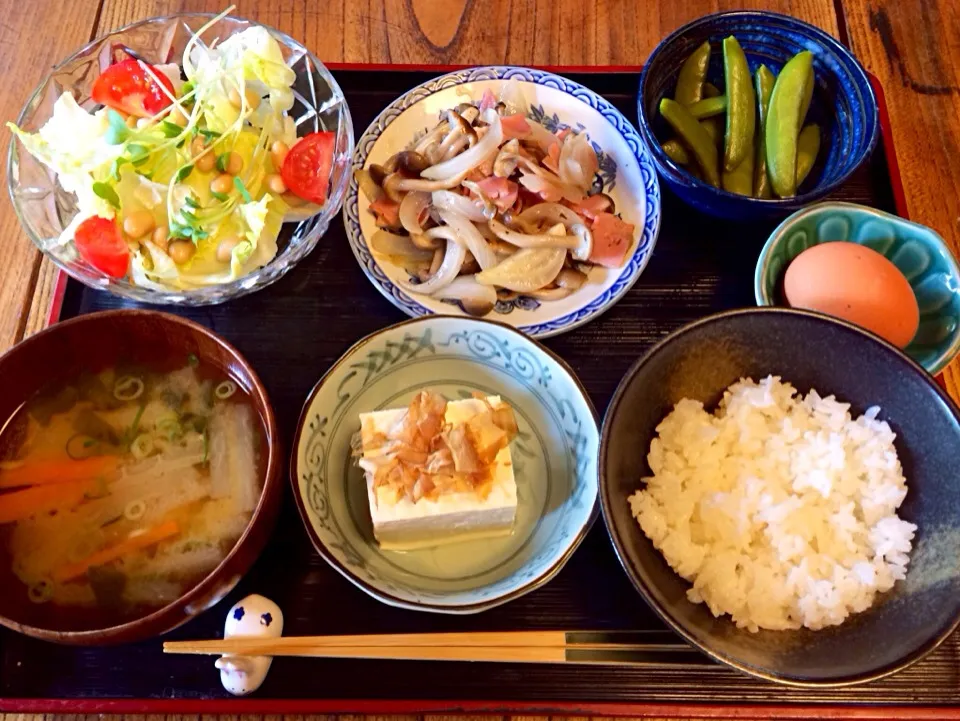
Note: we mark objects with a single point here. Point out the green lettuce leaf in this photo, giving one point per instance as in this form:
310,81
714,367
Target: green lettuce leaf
72,143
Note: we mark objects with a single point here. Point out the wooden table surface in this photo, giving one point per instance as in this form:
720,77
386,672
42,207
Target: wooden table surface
913,46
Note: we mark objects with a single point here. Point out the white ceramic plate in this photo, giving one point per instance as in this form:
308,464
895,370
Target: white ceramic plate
626,171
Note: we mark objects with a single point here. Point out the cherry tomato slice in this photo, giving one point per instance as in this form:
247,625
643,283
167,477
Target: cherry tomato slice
128,87
306,170
100,243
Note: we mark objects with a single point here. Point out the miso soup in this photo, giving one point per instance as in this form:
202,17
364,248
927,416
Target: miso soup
120,490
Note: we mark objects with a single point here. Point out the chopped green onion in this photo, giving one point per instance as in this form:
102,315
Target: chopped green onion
128,388
135,510
171,427
222,160
184,172
77,447
170,130
238,184
141,447
225,390
222,197
41,591
131,432
107,193
192,360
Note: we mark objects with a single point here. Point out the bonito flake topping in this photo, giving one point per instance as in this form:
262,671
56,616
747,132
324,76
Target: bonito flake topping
424,456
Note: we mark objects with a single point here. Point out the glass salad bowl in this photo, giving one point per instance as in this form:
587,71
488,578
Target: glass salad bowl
45,209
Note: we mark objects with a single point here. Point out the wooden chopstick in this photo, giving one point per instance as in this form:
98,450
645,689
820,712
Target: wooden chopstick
622,648
538,639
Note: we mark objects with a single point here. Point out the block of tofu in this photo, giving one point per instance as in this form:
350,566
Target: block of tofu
400,524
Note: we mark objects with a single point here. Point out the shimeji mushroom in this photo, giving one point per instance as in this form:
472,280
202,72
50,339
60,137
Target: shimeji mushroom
474,298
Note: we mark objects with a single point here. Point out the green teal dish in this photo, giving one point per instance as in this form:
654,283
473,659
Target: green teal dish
554,459
920,254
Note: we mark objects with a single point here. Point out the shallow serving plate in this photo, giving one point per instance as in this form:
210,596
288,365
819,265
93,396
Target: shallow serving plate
627,172
554,456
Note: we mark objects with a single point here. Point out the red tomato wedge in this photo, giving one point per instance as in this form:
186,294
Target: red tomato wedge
127,86
100,243
306,170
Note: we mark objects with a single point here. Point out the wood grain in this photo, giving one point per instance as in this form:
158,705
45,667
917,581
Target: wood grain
39,302
33,37
475,32
914,48
172,717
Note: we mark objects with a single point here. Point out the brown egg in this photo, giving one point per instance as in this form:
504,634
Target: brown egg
856,283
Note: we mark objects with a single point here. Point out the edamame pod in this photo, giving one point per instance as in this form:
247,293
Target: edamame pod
676,152
714,128
764,81
708,107
741,104
714,125
808,145
692,72
783,123
740,179
807,97
694,136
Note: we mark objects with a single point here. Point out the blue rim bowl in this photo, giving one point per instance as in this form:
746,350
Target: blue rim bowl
844,105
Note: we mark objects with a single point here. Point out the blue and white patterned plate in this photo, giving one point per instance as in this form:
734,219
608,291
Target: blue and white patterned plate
554,458
627,174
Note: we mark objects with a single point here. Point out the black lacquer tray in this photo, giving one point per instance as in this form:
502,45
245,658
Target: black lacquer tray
291,332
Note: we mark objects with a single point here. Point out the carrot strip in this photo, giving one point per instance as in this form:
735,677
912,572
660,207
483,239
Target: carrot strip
19,505
129,544
58,471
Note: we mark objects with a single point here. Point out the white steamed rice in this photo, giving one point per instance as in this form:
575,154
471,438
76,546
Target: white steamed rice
780,509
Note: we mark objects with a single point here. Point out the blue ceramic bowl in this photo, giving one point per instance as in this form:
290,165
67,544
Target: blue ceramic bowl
920,254
810,350
844,105
554,462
